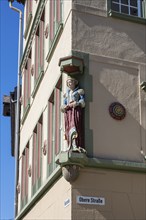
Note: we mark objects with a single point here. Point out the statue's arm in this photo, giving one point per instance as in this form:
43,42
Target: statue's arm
81,101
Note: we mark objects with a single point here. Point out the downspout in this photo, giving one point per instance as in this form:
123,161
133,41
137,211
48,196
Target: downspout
17,123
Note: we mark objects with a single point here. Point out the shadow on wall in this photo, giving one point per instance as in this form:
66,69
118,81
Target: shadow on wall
109,37
114,139
124,195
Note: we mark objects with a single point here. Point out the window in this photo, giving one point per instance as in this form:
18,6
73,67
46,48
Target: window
129,7
39,48
24,176
55,18
58,94
54,126
50,134
36,158
55,25
27,82
28,9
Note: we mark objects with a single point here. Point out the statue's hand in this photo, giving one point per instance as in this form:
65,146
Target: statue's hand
73,104
63,108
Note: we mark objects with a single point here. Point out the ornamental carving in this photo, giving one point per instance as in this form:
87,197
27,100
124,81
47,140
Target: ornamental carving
29,171
32,70
70,172
44,148
117,111
46,32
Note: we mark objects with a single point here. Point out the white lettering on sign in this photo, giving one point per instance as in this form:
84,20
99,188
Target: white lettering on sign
90,200
66,202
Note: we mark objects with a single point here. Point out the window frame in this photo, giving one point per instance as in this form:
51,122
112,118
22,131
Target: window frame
24,176
129,7
54,135
50,134
39,54
139,19
28,10
39,48
37,156
58,115
55,23
27,83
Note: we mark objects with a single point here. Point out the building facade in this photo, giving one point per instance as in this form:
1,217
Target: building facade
102,44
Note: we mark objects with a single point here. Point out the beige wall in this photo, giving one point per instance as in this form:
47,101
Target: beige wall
116,50
115,81
95,33
39,104
100,4
51,205
51,76
117,57
124,194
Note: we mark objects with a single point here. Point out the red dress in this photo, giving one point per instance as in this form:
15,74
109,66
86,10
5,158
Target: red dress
74,118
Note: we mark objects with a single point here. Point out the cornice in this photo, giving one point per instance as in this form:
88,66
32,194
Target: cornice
82,160
32,33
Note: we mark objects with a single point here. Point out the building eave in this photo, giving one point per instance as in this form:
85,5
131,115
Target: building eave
19,1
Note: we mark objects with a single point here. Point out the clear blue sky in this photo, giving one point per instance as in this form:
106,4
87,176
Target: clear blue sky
8,80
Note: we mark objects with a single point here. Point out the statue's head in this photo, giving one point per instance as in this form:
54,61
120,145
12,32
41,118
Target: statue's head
71,82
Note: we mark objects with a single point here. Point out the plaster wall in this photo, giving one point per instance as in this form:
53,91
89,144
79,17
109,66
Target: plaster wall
51,205
116,54
51,76
114,81
124,194
117,57
100,4
39,104
95,33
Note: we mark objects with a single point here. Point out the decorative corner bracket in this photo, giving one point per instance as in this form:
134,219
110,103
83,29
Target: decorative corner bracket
71,65
71,162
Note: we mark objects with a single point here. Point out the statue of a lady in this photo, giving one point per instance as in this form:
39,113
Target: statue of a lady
73,115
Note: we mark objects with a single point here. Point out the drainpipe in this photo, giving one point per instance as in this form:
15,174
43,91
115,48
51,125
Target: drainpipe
17,118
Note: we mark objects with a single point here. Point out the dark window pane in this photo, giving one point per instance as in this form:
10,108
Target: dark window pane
115,7
125,2
115,1
133,2
134,11
124,9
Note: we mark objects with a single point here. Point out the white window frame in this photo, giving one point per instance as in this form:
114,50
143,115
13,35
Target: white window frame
139,7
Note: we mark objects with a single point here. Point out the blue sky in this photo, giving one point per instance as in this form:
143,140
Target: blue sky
8,80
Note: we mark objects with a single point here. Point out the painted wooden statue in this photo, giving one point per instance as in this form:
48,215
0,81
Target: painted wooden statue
73,115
